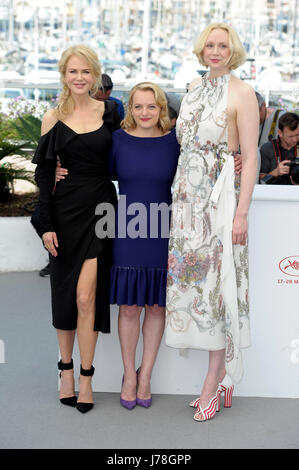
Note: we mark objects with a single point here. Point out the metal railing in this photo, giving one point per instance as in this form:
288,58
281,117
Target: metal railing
287,96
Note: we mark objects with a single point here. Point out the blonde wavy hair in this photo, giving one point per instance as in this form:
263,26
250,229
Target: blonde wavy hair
164,124
66,103
238,54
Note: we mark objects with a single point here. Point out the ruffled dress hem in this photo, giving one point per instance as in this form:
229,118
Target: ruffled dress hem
134,285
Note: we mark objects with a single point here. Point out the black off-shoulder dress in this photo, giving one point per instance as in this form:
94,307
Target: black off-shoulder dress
69,210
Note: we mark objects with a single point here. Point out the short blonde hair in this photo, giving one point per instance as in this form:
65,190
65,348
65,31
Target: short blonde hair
66,102
238,54
164,123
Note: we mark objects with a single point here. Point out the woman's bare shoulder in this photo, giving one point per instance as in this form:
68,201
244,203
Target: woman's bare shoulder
98,106
242,88
49,121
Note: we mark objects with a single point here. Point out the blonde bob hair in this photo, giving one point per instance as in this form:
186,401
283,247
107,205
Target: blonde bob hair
164,123
237,51
66,103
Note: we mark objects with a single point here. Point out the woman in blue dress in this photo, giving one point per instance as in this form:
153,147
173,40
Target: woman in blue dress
143,159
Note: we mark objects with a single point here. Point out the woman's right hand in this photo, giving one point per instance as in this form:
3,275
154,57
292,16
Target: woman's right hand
238,164
50,242
60,173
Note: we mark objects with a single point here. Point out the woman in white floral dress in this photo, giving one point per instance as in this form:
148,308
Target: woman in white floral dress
207,292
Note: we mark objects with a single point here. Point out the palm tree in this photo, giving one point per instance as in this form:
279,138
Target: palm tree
24,135
27,128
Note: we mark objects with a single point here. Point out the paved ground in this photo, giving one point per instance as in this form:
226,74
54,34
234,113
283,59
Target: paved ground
31,416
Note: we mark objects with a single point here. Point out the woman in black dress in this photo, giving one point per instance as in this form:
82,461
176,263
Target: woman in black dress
79,131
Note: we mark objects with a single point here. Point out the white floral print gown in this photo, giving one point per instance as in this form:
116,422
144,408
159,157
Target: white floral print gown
207,287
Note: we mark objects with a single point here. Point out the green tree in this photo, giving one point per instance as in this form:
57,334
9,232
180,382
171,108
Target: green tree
19,138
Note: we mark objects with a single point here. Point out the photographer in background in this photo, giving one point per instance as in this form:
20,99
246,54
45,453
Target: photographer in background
278,155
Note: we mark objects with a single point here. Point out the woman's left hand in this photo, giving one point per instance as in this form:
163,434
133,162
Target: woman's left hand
240,230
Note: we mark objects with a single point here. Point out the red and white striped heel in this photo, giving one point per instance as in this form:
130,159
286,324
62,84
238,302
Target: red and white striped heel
204,414
227,387
194,403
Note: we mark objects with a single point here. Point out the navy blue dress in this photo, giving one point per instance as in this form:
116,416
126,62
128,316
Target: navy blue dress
144,169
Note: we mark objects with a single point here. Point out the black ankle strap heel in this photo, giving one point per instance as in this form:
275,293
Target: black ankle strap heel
87,372
70,401
84,407
65,365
